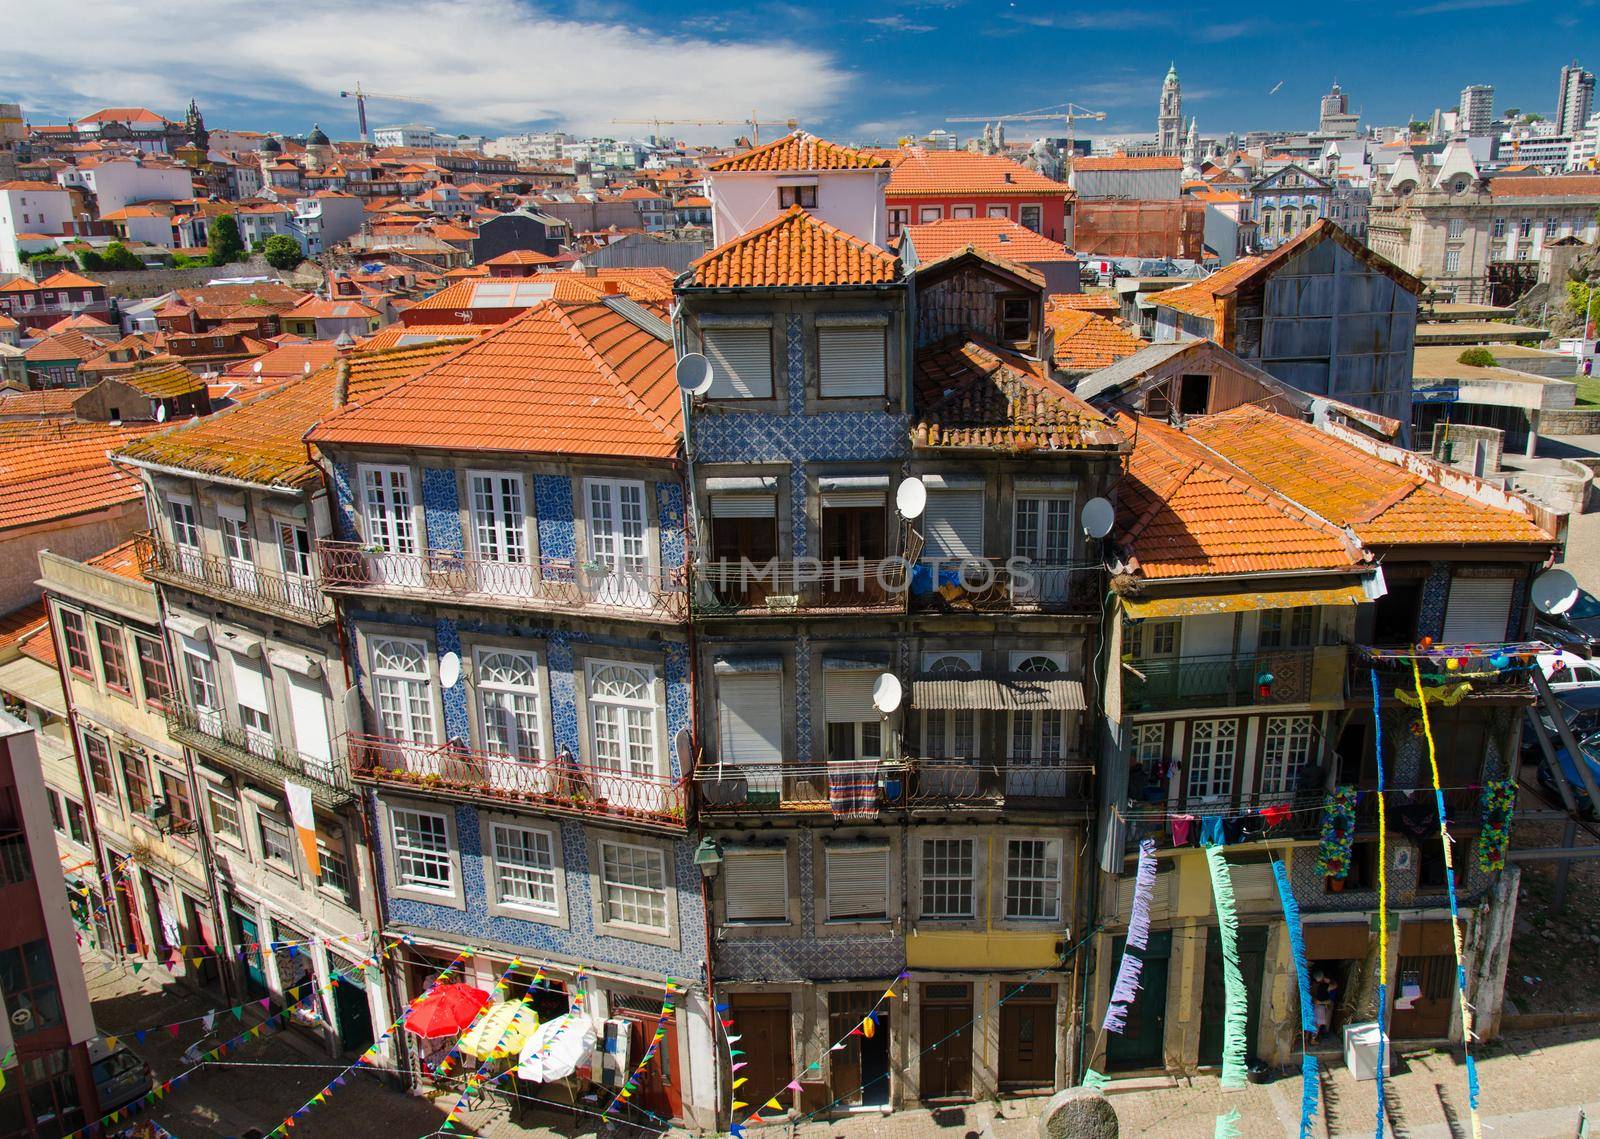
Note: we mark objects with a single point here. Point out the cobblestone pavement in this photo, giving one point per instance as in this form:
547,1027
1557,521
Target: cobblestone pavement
1534,1085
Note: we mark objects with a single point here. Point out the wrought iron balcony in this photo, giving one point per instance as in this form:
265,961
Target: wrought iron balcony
859,788
808,586
545,584
256,753
1298,676
1302,818
1005,585
558,786
297,598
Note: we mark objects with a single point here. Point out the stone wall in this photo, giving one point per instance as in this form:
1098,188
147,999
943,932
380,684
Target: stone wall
153,282
1574,421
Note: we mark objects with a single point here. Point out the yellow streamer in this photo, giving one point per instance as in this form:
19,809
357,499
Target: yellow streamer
1449,865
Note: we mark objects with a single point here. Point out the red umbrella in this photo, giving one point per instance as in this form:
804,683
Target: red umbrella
446,1010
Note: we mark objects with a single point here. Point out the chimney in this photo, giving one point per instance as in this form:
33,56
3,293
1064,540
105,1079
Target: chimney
1008,175
591,271
341,382
610,288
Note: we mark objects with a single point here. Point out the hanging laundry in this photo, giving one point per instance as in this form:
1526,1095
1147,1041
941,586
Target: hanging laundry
1275,815
1211,831
1235,829
1183,829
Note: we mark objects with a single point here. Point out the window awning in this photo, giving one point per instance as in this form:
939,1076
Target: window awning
1008,692
1191,605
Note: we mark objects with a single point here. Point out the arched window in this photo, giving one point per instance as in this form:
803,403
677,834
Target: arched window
509,704
1266,223
404,690
949,733
949,664
1311,217
1037,664
1038,737
623,714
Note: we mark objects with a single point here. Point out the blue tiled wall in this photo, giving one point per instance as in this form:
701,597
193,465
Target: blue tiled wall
457,726
580,941
669,504
1435,594
441,508
343,506
552,502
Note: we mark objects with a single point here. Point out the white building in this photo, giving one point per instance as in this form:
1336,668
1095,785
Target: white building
30,208
325,219
407,134
1477,108
119,182
836,184
1574,98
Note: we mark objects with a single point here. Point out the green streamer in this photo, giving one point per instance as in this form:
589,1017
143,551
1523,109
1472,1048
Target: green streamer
1236,1015
1228,1125
1093,1079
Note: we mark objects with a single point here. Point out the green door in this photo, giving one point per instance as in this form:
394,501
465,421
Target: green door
1213,1004
1139,1044
248,938
351,1008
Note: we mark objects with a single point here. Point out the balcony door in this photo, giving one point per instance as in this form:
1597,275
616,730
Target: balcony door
626,761
201,674
294,548
404,691
511,715
252,693
308,711
617,543
853,546
1037,746
744,527
391,525
185,536
1041,534
500,534
238,547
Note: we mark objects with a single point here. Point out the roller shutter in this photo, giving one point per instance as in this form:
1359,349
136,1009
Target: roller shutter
858,883
756,885
750,719
848,697
953,523
852,362
1479,610
741,362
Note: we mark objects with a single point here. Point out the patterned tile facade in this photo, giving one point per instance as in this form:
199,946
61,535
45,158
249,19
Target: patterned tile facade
669,508
1435,593
441,509
552,503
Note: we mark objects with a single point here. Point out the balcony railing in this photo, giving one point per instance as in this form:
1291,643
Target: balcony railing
297,598
1297,676
257,753
838,585
556,785
1487,683
1005,585
548,583
900,785
1304,819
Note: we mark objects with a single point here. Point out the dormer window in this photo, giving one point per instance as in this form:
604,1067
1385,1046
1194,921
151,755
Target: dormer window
1016,320
803,196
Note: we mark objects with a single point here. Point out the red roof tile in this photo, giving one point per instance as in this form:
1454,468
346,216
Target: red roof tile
1555,186
1085,342
1127,162
794,250
798,151
53,469
998,237
919,172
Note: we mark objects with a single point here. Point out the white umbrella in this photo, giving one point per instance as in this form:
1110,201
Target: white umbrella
556,1048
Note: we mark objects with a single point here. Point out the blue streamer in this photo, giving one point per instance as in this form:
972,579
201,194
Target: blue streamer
1472,1081
1310,1093
1309,1088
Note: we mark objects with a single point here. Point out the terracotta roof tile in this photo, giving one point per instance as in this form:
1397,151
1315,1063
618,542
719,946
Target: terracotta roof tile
166,381
1105,303
1181,512
919,172
41,646
121,560
20,624
64,346
1085,342
565,378
798,151
975,395
521,257
49,401
794,250
1382,503
53,469
999,237
1553,186
646,284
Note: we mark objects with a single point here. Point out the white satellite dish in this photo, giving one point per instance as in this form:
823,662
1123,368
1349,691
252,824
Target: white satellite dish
257,368
911,498
1098,516
694,373
1554,591
161,413
449,669
683,744
886,693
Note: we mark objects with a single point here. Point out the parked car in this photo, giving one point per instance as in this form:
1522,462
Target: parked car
1105,268
120,1075
1577,630
1590,749
1088,275
1566,671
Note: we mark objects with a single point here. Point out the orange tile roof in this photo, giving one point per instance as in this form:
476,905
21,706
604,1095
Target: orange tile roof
1085,302
919,172
1200,298
64,346
999,237
41,646
84,322
691,201
261,440
20,624
316,308
121,560
67,279
1381,502
122,115
799,151
975,395
794,250
1127,162
1553,186
53,469
406,335
166,381
285,361
521,257
566,379
1182,512
50,401
1085,342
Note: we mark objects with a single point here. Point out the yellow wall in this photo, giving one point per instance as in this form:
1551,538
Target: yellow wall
959,949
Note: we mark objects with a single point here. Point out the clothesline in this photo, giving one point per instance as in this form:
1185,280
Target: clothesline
1162,813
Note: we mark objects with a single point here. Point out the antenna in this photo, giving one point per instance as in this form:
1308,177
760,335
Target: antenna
910,498
1098,517
161,413
449,669
887,693
694,374
1555,591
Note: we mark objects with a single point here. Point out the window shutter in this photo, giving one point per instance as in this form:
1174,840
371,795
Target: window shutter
841,499
858,883
750,719
757,885
1479,609
848,697
249,685
852,361
741,362
954,525
1253,882
744,506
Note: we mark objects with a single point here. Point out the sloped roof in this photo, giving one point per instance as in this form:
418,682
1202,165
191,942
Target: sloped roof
67,279
649,284
1552,186
166,381
49,401
260,440
1183,512
794,250
919,172
64,346
1085,302
565,378
1383,503
521,257
798,151
999,237
317,308
53,469
974,395
1085,341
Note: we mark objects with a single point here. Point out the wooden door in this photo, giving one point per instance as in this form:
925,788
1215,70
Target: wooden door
658,1083
1430,1012
946,1041
1140,1044
1252,963
764,1021
1028,1039
853,536
858,1073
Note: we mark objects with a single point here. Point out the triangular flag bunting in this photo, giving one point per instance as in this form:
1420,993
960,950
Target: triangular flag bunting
773,1104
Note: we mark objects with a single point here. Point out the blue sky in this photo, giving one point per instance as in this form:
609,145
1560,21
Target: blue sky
855,73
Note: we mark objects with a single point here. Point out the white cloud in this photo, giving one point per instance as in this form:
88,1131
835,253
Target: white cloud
495,65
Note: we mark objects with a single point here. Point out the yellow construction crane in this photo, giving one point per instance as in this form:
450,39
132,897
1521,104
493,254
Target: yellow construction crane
754,122
361,98
1071,114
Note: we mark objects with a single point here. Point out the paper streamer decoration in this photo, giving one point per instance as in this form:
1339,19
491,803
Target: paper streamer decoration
1310,1085
1455,911
1383,909
1126,989
1235,1017
1228,1125
1499,801
1338,832
1094,1079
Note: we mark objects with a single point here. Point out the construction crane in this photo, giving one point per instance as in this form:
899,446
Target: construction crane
753,122
361,98
1070,115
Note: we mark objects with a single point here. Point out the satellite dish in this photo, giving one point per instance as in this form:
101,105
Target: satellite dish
886,693
449,669
161,413
256,368
910,498
1554,591
694,373
683,744
1098,516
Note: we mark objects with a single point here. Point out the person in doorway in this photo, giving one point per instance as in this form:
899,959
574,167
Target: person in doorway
1322,1002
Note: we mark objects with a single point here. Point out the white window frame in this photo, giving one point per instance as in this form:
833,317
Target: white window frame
926,214
546,875
1286,746
1052,519
611,852
1211,751
234,834
392,686
1050,876
626,556
527,705
950,725
1149,742
626,762
288,865
942,868
428,889
496,537
185,530
1038,735
393,529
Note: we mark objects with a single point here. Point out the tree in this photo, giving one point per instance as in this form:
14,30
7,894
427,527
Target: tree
1533,117
90,261
1477,358
1418,126
282,252
119,256
1511,113
226,245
